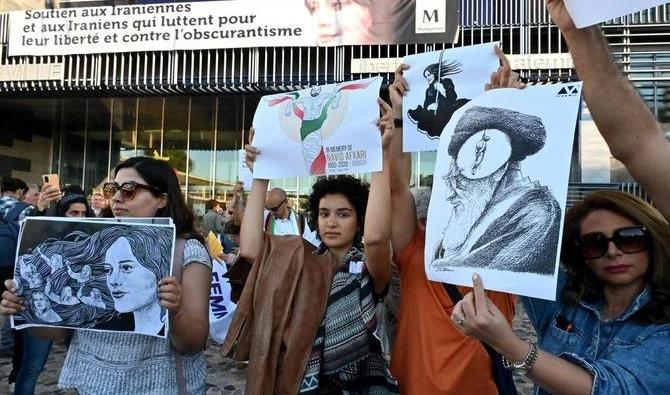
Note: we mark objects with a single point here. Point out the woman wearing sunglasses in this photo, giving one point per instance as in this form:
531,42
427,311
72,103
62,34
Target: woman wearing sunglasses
609,330
121,363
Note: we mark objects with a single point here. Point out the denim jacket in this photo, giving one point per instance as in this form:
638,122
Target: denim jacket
623,356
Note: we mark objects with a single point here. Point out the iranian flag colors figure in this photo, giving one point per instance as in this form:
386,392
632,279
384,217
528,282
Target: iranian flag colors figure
316,116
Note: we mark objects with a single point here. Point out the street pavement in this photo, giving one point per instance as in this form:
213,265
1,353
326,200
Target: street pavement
224,377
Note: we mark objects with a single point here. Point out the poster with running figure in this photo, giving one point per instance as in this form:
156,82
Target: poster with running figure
440,83
501,182
329,129
94,275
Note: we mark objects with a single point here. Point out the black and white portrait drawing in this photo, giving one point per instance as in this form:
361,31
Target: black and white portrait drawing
441,82
93,275
499,190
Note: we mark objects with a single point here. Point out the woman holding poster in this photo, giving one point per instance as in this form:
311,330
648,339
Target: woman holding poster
123,363
611,317
329,293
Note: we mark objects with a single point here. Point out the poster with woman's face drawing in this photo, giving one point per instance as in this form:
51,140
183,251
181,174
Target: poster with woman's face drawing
501,181
93,275
329,129
440,83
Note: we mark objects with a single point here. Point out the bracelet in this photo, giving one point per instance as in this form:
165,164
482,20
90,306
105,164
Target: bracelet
522,367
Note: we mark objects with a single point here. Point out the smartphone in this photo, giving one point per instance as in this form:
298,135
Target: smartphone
51,179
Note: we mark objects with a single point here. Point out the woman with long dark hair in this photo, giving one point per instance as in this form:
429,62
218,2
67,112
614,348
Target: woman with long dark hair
607,330
330,292
119,363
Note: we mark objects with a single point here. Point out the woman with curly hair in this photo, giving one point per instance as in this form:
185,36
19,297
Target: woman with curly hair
334,349
612,314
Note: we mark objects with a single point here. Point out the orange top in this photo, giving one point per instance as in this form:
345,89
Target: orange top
430,355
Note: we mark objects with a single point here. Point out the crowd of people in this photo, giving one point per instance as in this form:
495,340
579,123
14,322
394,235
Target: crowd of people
307,319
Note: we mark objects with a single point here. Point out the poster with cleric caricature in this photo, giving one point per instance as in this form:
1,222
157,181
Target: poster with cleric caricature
324,130
440,83
501,181
94,274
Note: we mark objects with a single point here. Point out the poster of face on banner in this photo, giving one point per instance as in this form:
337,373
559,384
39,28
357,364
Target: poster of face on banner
591,12
440,83
329,129
94,275
230,24
501,181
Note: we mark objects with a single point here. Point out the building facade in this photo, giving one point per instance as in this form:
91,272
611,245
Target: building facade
79,115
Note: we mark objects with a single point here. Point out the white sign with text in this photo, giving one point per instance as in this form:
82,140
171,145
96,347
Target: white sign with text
590,12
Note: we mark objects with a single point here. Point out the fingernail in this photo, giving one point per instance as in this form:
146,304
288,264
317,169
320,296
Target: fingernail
475,277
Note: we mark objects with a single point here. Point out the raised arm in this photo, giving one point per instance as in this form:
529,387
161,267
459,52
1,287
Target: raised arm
403,220
377,232
251,231
239,201
628,126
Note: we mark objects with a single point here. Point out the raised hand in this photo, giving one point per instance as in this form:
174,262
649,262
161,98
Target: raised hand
385,122
504,77
398,89
251,152
49,193
476,316
560,16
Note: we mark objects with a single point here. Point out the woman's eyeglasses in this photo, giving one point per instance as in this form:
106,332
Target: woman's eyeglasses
127,189
630,239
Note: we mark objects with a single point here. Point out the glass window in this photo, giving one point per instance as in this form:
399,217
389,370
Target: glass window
201,151
97,143
175,136
228,143
124,134
73,141
149,125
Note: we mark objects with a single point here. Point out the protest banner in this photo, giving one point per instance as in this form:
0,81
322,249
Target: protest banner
329,129
93,275
221,308
501,181
440,83
229,24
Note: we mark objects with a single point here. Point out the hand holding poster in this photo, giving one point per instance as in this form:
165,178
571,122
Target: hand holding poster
590,12
440,83
501,184
94,275
329,129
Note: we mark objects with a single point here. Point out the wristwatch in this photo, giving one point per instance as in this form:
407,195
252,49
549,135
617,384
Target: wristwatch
397,122
522,367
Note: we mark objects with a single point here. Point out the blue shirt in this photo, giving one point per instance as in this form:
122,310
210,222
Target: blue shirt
623,356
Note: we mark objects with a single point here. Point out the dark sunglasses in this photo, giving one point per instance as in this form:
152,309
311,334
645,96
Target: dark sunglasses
127,189
275,209
630,239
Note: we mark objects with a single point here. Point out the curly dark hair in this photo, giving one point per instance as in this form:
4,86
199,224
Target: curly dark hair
356,192
582,284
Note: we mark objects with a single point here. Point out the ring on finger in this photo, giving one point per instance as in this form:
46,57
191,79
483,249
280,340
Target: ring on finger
459,320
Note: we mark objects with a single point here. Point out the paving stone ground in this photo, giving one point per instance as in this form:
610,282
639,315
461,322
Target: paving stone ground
224,377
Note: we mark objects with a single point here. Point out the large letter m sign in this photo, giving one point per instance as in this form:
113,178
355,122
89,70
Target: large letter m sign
429,15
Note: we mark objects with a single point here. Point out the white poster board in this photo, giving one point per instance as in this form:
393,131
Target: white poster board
431,101
590,12
95,275
501,181
329,129
244,174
